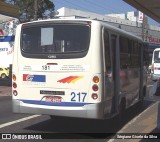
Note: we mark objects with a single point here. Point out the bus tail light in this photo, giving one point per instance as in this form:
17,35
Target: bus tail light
96,79
94,96
14,77
14,85
95,87
15,93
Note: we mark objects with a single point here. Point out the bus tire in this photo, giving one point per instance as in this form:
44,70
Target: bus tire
122,110
144,91
53,117
141,99
123,106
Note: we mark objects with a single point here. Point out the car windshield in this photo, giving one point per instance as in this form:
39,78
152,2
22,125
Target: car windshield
157,57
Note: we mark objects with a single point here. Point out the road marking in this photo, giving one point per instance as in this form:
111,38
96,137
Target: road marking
17,121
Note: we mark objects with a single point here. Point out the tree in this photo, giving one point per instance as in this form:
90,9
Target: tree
29,8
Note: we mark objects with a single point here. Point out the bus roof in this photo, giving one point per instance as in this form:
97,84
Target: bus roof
157,49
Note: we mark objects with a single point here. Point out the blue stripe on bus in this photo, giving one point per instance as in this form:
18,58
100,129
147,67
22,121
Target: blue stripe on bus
67,104
7,38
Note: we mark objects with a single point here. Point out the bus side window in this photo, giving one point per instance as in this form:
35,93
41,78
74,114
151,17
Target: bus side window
135,55
124,53
107,53
114,58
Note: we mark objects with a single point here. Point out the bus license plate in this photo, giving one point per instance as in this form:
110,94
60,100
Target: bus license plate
56,99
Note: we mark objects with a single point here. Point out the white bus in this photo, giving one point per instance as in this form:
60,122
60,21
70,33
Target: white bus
155,70
76,68
6,50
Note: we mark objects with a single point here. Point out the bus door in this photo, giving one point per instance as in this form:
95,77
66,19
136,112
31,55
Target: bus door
110,52
114,61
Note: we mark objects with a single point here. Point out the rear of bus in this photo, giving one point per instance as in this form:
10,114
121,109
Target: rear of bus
155,71
57,70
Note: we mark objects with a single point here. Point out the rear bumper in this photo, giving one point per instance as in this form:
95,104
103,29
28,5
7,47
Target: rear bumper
93,111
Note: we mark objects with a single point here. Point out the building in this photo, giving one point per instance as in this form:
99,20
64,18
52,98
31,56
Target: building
150,33
129,22
8,24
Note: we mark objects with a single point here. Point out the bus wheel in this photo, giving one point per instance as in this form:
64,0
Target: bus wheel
144,91
122,110
53,117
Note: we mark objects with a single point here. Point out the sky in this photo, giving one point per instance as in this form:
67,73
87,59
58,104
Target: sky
99,6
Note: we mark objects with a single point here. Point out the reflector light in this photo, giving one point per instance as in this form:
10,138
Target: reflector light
15,93
95,87
14,85
95,79
14,77
94,96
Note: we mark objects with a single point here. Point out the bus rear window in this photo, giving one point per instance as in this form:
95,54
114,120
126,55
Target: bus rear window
55,39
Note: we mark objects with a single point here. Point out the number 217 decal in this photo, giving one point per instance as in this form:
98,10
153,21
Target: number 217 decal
78,97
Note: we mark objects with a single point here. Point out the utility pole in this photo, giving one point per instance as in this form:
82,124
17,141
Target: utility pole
35,9
136,13
145,28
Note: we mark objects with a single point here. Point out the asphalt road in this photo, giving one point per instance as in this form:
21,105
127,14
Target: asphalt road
6,110
78,128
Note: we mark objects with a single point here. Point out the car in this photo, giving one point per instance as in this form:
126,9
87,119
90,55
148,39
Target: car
4,72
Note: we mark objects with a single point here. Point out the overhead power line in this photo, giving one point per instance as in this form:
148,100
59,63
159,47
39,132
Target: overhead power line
76,5
100,6
88,5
